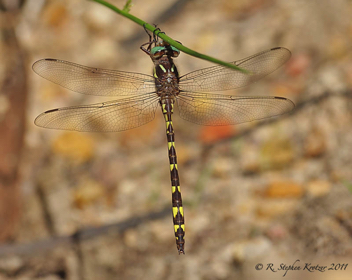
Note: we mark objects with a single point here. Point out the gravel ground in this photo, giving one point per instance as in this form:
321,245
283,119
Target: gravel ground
275,192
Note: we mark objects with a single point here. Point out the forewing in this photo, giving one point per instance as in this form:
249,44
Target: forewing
93,81
216,109
223,78
109,116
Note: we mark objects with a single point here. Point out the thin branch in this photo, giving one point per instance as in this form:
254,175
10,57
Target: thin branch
127,6
168,39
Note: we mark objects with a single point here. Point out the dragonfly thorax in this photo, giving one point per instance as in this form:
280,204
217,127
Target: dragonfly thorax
166,77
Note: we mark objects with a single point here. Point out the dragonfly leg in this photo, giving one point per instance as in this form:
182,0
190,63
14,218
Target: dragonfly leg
156,35
149,43
152,39
146,31
146,50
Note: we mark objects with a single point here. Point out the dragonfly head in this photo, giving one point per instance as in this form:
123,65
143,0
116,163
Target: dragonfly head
161,50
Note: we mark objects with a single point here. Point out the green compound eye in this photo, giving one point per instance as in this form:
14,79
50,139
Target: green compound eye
175,50
161,50
157,49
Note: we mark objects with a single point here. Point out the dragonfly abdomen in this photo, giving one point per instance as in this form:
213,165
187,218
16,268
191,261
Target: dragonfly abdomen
177,209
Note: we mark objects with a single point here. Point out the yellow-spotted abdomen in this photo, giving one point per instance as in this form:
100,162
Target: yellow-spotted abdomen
177,208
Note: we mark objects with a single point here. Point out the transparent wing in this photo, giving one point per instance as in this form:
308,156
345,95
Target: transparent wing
93,81
109,116
216,109
222,78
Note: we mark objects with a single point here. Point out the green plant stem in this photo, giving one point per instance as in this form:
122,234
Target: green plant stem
168,39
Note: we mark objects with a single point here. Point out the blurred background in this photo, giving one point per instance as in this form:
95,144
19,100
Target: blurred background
98,206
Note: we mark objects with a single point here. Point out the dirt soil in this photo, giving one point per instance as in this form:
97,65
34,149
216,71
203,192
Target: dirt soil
261,199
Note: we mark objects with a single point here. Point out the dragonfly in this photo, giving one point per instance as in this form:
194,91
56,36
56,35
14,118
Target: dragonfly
139,95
